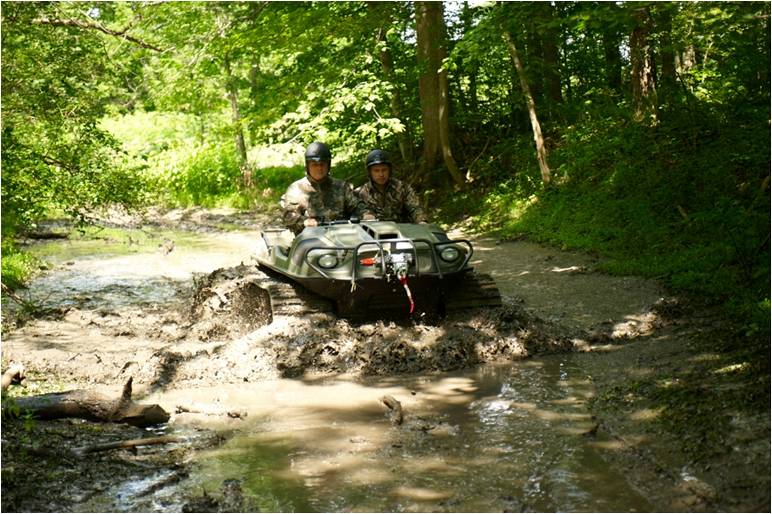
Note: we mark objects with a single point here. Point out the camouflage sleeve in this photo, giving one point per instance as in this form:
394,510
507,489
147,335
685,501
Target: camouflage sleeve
293,209
355,206
367,210
413,206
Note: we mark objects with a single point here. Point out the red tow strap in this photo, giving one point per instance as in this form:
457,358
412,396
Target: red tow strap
403,281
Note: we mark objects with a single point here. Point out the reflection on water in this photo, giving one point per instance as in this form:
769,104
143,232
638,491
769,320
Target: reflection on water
497,438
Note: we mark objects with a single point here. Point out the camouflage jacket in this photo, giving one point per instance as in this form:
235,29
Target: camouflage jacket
398,202
328,200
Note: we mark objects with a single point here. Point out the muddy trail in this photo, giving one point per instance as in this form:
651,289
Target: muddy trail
165,301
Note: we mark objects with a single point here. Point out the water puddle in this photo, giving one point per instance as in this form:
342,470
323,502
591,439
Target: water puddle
115,273
515,437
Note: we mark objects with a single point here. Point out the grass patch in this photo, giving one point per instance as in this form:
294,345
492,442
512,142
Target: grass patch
651,202
18,267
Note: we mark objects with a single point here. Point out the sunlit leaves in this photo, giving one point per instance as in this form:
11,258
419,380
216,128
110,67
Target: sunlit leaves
57,82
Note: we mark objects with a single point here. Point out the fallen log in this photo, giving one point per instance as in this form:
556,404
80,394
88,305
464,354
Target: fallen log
395,408
92,406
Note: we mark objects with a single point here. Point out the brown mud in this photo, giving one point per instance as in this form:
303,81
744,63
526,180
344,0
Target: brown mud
216,329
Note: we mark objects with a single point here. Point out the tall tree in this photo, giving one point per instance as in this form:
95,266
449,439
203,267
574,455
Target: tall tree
404,137
643,78
473,68
238,129
433,89
550,37
611,33
541,149
230,49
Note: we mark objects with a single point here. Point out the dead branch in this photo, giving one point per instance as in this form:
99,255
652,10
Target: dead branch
96,26
128,443
209,411
13,296
396,409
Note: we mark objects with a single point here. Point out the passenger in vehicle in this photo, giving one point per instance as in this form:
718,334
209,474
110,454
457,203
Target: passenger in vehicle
386,197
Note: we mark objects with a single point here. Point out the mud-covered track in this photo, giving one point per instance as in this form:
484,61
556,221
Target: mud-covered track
292,299
473,290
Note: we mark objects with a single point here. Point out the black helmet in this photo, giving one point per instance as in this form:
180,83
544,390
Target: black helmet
377,157
318,152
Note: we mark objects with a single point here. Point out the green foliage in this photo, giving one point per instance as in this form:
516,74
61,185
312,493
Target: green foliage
685,203
272,182
55,85
204,177
17,266
732,38
147,135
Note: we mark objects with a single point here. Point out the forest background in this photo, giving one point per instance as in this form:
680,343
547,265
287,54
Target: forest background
638,131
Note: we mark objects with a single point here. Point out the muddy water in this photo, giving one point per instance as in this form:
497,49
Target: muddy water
514,437
99,274
496,438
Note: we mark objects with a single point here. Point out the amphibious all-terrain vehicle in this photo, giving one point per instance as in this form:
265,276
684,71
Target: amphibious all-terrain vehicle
372,269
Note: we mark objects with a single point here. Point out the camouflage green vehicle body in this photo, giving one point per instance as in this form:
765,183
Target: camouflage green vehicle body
377,267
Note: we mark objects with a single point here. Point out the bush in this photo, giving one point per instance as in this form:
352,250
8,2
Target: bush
686,201
204,178
17,267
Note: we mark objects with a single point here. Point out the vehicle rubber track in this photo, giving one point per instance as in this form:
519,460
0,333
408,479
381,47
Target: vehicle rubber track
472,290
289,298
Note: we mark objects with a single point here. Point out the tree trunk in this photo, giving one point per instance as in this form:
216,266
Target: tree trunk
552,68
254,93
428,90
433,90
534,58
541,149
613,61
611,37
91,406
241,147
667,84
404,139
643,71
466,19
444,123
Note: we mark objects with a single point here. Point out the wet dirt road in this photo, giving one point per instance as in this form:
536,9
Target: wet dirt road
326,443
563,287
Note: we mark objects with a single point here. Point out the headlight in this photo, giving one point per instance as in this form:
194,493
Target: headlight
449,254
328,261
